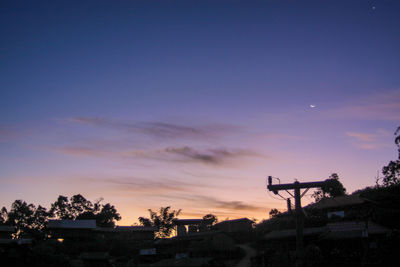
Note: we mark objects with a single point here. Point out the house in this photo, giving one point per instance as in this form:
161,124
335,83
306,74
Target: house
232,226
195,244
291,233
136,232
13,252
348,207
71,229
333,231
340,228
185,226
84,229
354,229
240,229
343,243
129,233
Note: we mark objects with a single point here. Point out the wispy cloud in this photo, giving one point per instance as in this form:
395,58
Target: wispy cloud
186,154
185,192
81,151
369,141
160,129
146,186
175,153
379,106
181,193
210,156
213,202
364,137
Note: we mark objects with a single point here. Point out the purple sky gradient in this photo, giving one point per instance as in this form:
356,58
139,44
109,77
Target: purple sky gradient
193,103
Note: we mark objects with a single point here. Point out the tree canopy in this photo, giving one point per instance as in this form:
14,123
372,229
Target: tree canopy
391,172
29,219
332,188
210,218
208,221
162,220
273,213
79,208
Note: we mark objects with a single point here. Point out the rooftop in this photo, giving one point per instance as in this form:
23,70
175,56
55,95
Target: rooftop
235,220
188,221
353,229
342,201
136,228
71,224
127,229
289,233
338,230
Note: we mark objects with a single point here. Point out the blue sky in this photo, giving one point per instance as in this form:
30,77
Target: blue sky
149,103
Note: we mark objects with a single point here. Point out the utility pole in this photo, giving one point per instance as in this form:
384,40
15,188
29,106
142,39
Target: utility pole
296,186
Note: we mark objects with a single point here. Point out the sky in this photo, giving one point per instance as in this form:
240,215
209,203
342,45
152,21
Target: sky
192,104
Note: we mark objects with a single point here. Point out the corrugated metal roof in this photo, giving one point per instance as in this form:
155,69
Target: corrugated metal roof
291,233
338,230
341,201
71,224
373,228
235,220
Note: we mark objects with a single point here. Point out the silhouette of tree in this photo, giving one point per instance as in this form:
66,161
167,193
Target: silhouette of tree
21,215
273,213
79,208
72,208
210,218
104,218
145,221
208,221
29,219
3,215
391,171
107,215
26,217
40,218
333,188
163,221
61,208
397,139
80,205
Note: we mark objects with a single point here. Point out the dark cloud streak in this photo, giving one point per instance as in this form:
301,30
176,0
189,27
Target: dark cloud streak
210,156
213,202
160,129
185,154
147,186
